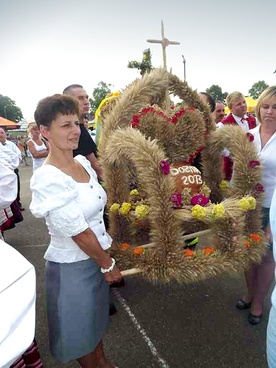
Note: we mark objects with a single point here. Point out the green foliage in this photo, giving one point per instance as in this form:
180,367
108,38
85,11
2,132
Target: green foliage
99,93
216,92
9,110
257,89
145,65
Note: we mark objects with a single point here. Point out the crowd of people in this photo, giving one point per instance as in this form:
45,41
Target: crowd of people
67,192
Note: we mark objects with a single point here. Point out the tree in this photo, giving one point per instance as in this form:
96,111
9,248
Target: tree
257,89
99,93
145,65
9,110
216,92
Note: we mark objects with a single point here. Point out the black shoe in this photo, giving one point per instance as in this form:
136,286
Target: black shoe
112,309
243,305
254,320
118,284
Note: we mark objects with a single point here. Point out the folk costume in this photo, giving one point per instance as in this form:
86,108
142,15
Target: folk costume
77,294
17,282
247,122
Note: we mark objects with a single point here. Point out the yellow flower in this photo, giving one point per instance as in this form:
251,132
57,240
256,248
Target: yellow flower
218,210
198,212
125,208
134,192
252,203
223,184
114,208
244,204
142,211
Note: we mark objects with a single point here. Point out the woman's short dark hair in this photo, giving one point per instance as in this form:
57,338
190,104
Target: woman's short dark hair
209,100
49,107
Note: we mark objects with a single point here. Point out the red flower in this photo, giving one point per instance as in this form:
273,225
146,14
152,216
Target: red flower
178,115
259,187
135,121
165,167
124,246
177,199
250,137
255,237
208,250
199,199
188,253
139,251
146,110
254,163
247,243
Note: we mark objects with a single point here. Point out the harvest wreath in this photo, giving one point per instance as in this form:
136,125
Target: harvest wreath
153,213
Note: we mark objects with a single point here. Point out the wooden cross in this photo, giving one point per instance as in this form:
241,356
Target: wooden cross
164,42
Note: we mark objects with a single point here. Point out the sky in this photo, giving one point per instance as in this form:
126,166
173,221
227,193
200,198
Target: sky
48,45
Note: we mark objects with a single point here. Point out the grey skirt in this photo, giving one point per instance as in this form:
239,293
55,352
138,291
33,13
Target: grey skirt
77,308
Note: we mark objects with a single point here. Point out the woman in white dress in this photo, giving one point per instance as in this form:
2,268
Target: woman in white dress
259,276
66,192
37,147
17,293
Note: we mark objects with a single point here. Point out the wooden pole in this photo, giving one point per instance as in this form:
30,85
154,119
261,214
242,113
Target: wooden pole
135,271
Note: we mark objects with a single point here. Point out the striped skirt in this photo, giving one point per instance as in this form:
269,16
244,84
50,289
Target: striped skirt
30,359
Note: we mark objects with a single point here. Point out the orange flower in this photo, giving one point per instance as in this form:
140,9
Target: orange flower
137,223
255,237
208,250
188,253
247,243
139,250
124,246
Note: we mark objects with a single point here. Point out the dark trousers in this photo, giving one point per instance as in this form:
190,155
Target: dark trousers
16,171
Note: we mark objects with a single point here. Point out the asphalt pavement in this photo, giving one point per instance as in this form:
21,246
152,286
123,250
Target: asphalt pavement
167,326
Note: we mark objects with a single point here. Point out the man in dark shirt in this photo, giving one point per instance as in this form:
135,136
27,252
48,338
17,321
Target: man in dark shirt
86,147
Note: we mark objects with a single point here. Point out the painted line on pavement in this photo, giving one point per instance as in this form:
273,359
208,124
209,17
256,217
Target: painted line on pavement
33,245
140,329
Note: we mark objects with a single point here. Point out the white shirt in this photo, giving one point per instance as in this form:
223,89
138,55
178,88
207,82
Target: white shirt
8,186
268,159
8,157
17,304
69,208
271,328
242,122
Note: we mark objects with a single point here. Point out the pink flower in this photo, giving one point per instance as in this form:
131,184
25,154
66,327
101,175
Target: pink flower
199,199
250,137
177,199
259,187
253,163
165,167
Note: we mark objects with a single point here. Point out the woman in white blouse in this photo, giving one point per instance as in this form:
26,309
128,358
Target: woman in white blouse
17,283
65,191
259,276
38,148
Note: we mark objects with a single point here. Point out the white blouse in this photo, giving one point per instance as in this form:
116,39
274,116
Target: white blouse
37,162
268,159
69,208
17,304
8,186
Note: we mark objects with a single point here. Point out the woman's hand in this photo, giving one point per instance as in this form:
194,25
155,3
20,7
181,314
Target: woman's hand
113,276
